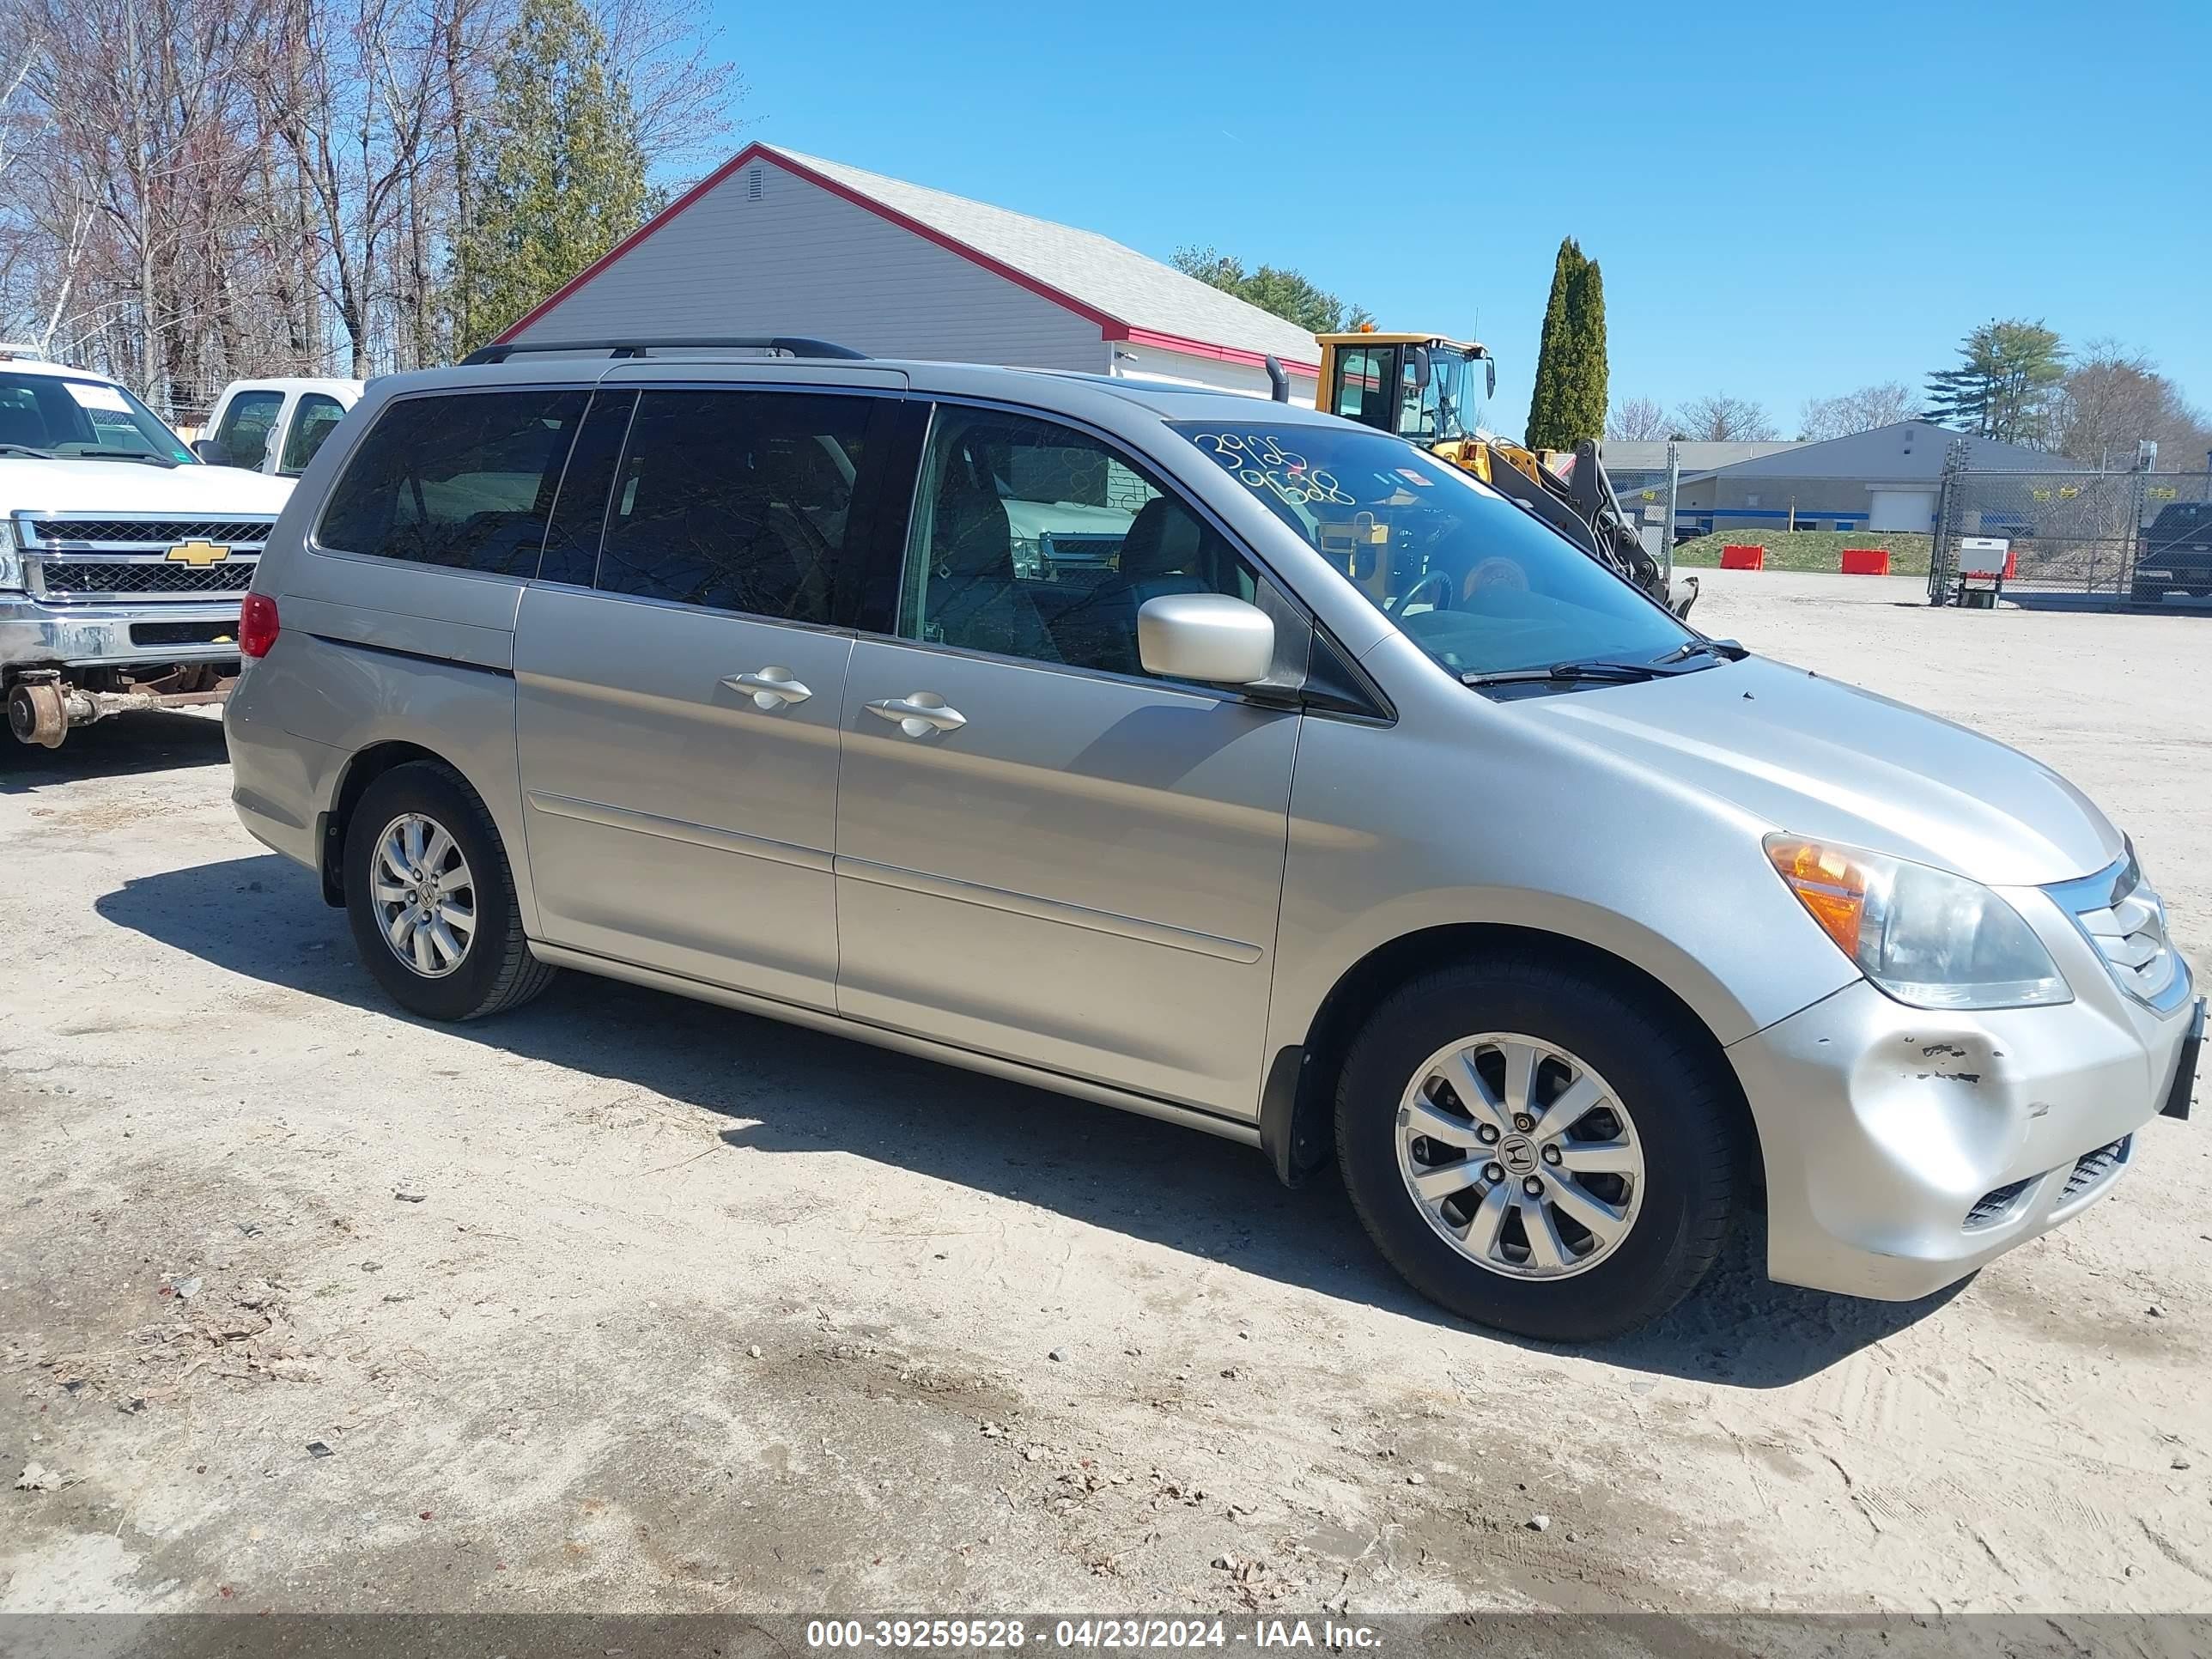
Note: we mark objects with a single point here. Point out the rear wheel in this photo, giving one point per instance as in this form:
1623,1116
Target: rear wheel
1535,1150
431,897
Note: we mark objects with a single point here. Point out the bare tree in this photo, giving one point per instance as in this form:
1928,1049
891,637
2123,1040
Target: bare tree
2112,398
1635,418
683,96
120,210
1719,418
1862,411
192,190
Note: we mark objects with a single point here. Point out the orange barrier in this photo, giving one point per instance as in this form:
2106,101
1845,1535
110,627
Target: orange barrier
1866,562
1743,558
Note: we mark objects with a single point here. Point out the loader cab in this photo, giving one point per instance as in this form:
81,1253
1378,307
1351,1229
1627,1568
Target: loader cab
1420,386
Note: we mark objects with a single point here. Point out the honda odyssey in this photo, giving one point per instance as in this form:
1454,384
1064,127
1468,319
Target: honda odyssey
1211,758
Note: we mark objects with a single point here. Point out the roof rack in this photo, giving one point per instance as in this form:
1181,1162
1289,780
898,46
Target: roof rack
793,345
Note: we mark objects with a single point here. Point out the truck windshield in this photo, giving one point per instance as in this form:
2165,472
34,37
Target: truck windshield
1450,405
58,415
1469,577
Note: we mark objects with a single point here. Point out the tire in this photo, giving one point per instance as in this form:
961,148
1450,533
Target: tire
495,971
1689,1155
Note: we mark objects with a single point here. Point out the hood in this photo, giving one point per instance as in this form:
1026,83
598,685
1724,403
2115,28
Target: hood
63,486
1816,757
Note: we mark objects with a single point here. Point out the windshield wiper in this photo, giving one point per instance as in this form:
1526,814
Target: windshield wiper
1727,650
26,449
1594,668
125,455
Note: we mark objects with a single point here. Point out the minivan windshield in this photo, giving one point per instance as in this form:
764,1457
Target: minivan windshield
1469,577
57,416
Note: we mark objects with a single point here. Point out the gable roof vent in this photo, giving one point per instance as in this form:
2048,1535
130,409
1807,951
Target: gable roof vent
753,181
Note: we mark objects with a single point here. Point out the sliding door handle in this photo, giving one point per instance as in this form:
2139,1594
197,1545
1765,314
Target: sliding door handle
771,687
920,714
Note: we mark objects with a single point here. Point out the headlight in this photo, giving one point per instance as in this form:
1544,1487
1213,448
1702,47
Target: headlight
11,562
1929,939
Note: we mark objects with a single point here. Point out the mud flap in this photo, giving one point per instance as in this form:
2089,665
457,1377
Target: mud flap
2184,1074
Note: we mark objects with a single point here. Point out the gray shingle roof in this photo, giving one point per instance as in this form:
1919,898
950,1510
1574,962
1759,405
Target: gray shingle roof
1641,455
1095,269
1906,452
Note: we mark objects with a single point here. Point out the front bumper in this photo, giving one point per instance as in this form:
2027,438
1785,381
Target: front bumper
1905,1147
36,635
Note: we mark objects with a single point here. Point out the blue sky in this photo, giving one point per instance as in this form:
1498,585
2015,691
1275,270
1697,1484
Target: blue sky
1788,200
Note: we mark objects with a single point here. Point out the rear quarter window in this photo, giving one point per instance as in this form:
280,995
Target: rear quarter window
465,480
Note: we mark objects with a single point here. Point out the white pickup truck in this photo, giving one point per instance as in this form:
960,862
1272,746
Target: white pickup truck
123,557
275,425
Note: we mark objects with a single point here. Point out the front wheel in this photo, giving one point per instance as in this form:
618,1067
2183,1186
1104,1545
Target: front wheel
1535,1150
431,899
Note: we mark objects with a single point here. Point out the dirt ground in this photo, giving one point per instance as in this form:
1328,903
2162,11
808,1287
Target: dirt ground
629,1302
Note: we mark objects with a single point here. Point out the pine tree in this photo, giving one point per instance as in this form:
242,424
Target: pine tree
1551,404
563,178
1586,318
1289,293
2006,384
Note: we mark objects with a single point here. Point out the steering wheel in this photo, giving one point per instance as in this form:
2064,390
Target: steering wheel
1438,580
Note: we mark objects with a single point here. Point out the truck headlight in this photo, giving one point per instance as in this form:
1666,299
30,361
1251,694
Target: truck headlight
1927,937
11,562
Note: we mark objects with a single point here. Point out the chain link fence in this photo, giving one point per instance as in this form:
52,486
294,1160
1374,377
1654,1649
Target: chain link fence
2093,539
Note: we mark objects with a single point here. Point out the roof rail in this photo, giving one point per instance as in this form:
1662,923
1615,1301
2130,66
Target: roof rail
794,345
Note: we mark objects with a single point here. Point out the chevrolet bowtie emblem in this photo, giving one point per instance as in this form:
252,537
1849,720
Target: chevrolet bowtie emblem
197,554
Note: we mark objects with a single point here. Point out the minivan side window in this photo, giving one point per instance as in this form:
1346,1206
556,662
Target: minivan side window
739,500
465,480
572,540
315,419
1033,539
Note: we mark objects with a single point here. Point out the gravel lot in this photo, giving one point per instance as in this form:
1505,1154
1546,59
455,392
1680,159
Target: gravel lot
625,1302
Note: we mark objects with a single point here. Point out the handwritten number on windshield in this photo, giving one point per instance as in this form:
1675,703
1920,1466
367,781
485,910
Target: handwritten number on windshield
1259,461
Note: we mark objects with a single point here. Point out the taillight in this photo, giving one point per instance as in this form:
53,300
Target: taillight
257,624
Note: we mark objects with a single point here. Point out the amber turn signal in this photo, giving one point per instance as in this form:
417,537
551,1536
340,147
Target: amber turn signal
1828,883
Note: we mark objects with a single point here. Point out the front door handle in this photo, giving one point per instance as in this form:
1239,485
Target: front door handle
770,689
920,714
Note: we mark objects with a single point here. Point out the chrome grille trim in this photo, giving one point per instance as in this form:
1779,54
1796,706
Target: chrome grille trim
112,532
106,558
2122,915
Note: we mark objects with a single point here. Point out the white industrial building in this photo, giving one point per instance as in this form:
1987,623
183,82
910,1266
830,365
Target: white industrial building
777,242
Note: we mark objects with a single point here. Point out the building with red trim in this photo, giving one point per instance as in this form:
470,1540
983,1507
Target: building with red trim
776,242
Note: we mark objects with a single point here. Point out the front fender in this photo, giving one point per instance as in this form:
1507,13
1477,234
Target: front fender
1429,825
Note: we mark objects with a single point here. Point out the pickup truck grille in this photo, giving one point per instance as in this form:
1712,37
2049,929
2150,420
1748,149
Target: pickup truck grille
89,559
149,532
2124,918
77,578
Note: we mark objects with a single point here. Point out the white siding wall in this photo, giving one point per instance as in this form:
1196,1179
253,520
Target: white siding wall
1188,368
801,260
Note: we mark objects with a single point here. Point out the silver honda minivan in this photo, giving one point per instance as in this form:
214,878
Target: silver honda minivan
1214,759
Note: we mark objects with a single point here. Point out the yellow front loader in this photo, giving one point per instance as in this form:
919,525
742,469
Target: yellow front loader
1433,391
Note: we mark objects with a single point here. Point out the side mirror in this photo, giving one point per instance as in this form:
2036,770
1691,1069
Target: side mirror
1207,637
1489,369
210,452
1421,371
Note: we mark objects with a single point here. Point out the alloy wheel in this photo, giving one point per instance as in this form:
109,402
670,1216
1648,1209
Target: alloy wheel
424,895
1519,1155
